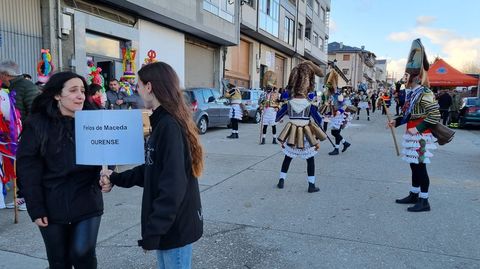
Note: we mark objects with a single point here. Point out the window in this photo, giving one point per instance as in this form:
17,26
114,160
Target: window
310,3
300,31
221,8
345,71
308,29
315,39
293,2
322,15
288,32
269,16
101,45
316,7
206,95
321,43
346,57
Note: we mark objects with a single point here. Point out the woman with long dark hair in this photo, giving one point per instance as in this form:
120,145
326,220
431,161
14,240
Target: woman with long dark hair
171,209
64,199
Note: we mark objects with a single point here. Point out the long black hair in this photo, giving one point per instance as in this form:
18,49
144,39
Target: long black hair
47,106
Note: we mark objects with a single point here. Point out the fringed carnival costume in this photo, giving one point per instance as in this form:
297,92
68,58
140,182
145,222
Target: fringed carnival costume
236,111
10,128
299,137
364,101
336,111
421,112
269,103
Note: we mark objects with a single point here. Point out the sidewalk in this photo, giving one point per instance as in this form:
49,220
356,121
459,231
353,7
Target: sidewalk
352,222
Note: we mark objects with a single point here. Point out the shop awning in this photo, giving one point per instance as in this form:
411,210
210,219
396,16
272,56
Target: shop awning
441,74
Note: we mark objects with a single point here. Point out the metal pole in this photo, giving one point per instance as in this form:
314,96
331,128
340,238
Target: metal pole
478,86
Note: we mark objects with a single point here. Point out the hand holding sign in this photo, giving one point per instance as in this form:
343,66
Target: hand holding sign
105,180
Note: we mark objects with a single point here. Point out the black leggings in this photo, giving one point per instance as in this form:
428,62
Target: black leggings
368,111
338,137
274,129
420,176
73,244
310,165
234,124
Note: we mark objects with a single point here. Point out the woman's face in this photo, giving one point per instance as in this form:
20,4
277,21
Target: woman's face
72,97
145,92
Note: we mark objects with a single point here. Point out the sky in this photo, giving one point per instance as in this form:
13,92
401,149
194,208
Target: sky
448,29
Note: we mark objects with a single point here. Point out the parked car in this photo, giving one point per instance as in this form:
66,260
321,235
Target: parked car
250,99
208,107
470,112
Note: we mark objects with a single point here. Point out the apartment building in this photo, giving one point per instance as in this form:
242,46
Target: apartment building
357,64
276,35
188,34
381,72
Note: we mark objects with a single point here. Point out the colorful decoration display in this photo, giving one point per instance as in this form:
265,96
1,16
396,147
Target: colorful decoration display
95,76
151,57
45,66
129,67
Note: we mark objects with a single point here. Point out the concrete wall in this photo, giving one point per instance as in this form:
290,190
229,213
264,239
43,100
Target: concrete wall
84,22
168,44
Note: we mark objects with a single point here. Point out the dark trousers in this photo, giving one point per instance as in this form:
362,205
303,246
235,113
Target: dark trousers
73,244
310,165
337,135
274,129
420,176
234,122
367,109
444,114
453,116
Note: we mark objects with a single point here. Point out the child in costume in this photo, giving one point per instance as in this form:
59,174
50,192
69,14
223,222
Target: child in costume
421,112
269,103
299,137
336,111
236,111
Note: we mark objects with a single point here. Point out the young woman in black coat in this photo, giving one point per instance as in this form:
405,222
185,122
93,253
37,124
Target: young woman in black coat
64,199
171,210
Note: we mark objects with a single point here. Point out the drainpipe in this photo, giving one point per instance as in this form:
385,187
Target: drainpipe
59,36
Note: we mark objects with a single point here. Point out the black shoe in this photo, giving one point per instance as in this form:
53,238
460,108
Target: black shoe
358,118
345,146
280,183
236,135
368,118
263,141
274,141
412,198
232,136
312,188
334,152
421,205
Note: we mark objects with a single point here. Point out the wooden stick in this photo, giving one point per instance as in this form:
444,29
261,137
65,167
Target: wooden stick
15,207
391,128
261,126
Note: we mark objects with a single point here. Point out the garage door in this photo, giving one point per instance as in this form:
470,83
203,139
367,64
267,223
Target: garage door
21,34
199,65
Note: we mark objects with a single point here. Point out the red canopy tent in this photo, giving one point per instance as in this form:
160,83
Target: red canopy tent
442,74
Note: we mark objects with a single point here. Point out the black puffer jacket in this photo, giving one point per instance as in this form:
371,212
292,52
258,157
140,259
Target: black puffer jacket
53,185
171,208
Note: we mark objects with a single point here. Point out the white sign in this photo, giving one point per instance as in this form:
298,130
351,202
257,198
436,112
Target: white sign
109,137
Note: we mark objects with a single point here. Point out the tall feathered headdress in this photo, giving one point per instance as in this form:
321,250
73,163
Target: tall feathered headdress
302,78
331,81
417,64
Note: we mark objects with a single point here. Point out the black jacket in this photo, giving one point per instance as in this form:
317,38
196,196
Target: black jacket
171,208
53,185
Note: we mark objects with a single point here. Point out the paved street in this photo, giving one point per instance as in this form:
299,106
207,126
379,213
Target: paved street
352,222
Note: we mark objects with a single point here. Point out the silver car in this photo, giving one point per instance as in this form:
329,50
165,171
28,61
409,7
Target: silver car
208,108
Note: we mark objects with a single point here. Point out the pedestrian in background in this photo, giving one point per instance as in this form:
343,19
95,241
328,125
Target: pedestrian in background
115,97
25,92
444,101
171,209
64,199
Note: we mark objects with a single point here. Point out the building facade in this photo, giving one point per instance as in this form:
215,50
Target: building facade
205,41
276,35
357,64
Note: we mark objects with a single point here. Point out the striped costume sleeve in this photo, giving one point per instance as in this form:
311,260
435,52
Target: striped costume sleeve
431,110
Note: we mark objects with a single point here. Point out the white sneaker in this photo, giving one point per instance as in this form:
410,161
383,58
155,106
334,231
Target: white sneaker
22,206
